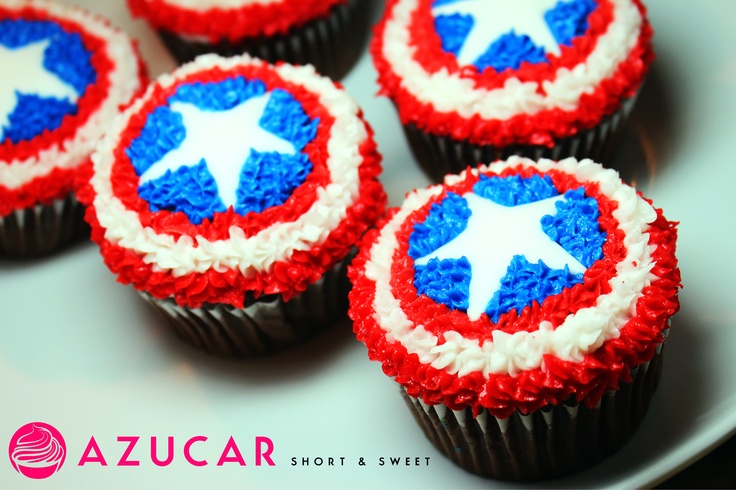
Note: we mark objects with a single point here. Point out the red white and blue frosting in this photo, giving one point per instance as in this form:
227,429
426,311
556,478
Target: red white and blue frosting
232,20
233,176
65,75
509,72
516,285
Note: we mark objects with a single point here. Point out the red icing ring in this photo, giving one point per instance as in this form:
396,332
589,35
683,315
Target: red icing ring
233,24
230,287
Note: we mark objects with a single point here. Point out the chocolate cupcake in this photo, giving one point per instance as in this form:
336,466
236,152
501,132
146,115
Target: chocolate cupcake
329,34
522,307
65,75
474,81
230,195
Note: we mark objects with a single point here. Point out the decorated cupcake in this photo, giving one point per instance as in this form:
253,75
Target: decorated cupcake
328,34
231,195
65,75
522,307
476,81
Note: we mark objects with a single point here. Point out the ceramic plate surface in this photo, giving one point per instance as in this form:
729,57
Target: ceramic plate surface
86,355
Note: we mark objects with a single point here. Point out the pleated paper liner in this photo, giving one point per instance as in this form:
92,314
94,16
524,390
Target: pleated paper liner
266,325
442,155
332,44
548,443
42,229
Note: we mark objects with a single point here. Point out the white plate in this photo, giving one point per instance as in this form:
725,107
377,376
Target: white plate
85,354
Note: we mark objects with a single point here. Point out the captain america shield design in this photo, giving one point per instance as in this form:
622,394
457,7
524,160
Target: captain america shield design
485,289
233,176
65,74
511,72
48,69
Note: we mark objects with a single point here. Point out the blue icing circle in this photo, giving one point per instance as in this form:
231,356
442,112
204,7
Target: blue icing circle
191,188
526,282
515,190
508,51
453,30
266,178
65,58
566,20
574,227
444,222
445,281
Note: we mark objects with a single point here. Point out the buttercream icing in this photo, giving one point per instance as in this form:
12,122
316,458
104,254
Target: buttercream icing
81,87
580,339
280,249
230,19
564,90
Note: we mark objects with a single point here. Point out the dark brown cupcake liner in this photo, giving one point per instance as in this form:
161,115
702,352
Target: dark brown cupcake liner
266,325
42,229
442,155
332,44
548,443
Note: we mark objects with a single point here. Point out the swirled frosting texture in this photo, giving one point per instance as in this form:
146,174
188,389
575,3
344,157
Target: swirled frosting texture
101,70
580,341
230,19
537,103
280,250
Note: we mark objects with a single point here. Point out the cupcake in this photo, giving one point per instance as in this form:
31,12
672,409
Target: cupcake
65,74
231,195
328,34
522,307
475,81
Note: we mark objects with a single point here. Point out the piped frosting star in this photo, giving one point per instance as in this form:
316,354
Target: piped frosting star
493,236
223,139
23,72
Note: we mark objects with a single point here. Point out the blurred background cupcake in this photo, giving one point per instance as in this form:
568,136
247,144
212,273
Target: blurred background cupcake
522,307
329,34
231,195
475,81
65,75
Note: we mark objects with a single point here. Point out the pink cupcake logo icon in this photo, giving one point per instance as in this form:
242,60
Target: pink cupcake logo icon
37,450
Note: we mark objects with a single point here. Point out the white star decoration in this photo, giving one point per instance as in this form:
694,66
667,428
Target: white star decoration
492,19
224,139
496,233
23,71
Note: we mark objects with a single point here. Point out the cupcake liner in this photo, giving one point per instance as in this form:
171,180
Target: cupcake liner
42,229
266,325
442,155
332,44
551,442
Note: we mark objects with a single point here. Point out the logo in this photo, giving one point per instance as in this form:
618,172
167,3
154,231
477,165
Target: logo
37,450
